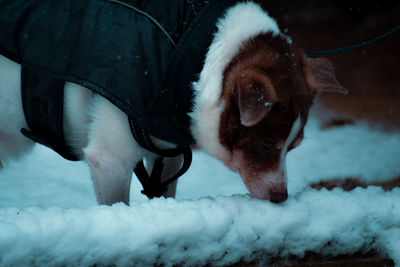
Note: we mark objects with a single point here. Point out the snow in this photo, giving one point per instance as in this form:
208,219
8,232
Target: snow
343,152
49,217
220,230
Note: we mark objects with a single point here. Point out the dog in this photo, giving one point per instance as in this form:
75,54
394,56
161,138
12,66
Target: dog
251,102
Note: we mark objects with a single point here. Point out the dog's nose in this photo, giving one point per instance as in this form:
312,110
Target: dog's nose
275,197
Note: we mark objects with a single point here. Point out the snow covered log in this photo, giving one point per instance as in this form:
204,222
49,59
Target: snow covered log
218,231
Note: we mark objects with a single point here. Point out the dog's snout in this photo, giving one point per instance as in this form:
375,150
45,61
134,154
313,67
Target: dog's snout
278,197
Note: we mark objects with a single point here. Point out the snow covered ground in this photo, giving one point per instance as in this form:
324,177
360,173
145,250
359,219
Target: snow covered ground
48,213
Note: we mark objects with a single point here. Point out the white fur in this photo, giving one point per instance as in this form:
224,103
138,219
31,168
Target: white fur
12,119
77,99
111,153
292,135
240,23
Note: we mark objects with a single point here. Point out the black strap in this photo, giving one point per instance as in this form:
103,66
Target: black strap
143,138
342,49
42,100
152,185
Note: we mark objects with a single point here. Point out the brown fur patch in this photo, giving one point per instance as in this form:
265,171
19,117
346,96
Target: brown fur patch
282,64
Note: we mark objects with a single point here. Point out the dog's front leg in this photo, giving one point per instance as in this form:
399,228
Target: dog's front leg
171,166
111,152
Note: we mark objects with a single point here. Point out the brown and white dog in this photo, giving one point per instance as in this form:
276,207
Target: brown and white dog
251,105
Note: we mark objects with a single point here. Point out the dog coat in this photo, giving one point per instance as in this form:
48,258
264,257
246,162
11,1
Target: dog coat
141,55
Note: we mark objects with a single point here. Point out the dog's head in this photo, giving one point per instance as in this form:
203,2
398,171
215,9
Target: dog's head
267,91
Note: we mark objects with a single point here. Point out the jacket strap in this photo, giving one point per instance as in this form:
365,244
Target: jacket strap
143,138
43,104
152,185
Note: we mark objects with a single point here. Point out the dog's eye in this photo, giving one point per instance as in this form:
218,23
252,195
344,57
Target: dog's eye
267,147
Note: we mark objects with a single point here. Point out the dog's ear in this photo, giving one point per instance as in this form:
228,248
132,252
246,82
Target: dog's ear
320,75
256,96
